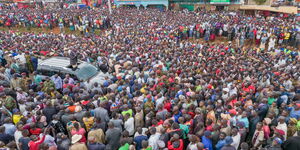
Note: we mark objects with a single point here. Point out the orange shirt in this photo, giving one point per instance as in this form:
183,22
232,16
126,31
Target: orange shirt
72,108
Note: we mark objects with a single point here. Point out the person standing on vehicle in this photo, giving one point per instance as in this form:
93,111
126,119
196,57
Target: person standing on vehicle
73,58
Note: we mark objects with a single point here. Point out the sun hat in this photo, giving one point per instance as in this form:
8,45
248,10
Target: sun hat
76,138
293,120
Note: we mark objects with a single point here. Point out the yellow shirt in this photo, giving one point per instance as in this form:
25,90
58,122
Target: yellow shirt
88,122
286,35
16,118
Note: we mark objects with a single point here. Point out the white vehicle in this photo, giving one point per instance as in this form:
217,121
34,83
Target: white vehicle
85,72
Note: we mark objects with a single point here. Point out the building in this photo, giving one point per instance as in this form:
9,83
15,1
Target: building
271,7
143,3
205,4
267,7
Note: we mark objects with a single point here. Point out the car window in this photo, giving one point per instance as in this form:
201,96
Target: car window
46,72
86,72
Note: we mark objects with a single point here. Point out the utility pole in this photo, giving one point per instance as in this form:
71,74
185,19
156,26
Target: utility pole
109,6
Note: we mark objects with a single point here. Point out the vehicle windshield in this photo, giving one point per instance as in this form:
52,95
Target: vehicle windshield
86,72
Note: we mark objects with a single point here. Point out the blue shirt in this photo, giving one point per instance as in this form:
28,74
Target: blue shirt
57,82
246,121
96,146
207,143
138,140
10,129
220,144
176,116
295,113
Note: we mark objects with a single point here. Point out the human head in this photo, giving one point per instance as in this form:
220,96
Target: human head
152,130
244,146
144,144
207,134
222,136
259,126
2,129
110,125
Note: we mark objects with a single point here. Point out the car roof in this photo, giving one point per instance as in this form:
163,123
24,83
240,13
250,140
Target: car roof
56,61
59,64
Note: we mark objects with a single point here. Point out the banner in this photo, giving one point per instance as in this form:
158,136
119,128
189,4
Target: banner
187,6
220,1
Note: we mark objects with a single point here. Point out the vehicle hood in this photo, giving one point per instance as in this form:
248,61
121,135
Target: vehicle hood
99,78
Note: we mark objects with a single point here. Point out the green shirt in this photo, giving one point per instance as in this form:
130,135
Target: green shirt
185,130
37,79
271,100
128,111
298,125
10,103
15,67
124,147
198,88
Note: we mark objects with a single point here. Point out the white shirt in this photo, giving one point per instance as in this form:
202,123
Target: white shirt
18,135
272,41
129,125
282,126
159,101
236,140
288,84
22,108
49,140
153,141
193,146
225,27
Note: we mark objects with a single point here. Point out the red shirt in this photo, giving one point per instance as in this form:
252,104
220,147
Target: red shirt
209,128
249,89
170,145
192,114
36,131
171,80
44,52
67,85
82,132
267,131
168,106
35,145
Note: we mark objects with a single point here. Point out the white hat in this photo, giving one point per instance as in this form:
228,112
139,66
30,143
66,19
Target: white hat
76,138
181,97
226,90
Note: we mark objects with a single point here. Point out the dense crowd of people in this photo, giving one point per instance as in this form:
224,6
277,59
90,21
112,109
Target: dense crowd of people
75,19
262,30
168,89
